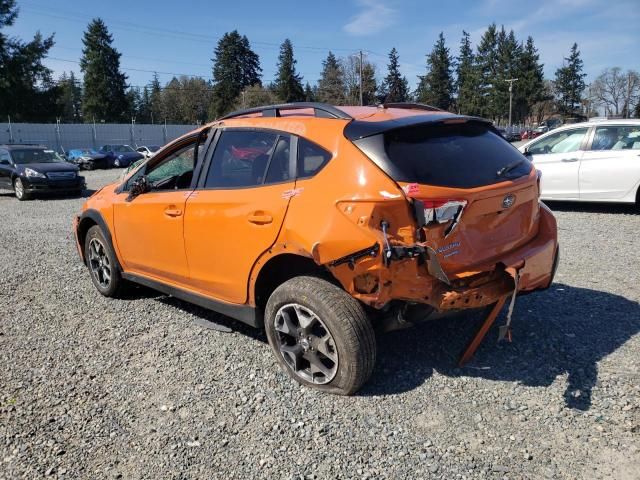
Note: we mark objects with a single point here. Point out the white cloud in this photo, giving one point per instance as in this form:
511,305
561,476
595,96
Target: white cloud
373,17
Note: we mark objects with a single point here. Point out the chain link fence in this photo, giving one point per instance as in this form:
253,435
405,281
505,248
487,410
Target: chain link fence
65,136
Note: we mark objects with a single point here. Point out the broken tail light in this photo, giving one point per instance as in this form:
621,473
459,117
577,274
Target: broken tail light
440,211
539,175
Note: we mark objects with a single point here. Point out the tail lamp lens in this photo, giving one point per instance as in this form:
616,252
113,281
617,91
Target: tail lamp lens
442,210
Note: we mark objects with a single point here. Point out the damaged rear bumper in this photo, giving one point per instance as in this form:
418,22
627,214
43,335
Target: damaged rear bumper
376,283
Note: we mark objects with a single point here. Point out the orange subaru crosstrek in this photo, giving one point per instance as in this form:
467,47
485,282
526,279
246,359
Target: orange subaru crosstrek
324,224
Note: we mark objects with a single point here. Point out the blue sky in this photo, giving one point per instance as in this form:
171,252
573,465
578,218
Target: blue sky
179,37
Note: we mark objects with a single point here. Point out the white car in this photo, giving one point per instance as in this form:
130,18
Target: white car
148,151
596,161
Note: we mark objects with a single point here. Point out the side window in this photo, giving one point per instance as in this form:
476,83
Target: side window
4,156
175,171
278,170
311,158
560,142
616,138
241,159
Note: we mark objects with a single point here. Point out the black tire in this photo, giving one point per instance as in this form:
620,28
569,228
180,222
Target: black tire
89,166
18,189
114,287
351,334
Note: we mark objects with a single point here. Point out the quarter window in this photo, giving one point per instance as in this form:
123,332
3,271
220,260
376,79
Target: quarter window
311,158
560,142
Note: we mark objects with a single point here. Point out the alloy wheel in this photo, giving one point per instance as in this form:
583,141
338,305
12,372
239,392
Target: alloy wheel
306,344
19,188
99,263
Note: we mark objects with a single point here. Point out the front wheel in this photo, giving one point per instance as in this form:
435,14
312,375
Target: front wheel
116,163
102,263
320,335
18,188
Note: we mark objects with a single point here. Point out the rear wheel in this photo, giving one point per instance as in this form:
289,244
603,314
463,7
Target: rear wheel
320,335
102,263
19,189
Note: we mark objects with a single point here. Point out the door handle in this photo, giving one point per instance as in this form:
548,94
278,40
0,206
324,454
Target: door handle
172,212
567,160
260,219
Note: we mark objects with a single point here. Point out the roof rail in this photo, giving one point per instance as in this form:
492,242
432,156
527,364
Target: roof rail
322,110
409,105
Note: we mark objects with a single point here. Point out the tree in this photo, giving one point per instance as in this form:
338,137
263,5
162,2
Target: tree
331,88
616,91
27,92
486,64
509,52
530,88
351,68
235,67
395,87
288,86
436,87
134,101
144,108
467,78
70,98
570,83
309,95
636,112
156,108
255,96
105,85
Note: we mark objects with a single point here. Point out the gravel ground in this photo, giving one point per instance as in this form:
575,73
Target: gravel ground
98,388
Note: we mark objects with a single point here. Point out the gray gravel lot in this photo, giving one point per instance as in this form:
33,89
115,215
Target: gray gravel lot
98,388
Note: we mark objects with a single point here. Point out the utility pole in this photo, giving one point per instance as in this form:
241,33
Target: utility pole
511,80
361,100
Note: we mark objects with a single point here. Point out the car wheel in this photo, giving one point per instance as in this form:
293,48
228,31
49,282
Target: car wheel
18,188
320,335
88,166
116,163
102,263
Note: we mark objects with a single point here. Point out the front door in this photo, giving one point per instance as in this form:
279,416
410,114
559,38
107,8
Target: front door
558,157
237,211
6,169
610,169
149,228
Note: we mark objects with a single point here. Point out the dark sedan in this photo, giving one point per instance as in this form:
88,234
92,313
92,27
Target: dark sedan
88,158
29,169
120,155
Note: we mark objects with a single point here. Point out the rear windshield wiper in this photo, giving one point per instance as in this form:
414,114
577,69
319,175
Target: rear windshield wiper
504,170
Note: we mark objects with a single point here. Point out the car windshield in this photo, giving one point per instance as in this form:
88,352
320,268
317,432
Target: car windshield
35,155
154,148
123,149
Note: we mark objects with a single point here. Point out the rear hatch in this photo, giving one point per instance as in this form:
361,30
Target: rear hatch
475,196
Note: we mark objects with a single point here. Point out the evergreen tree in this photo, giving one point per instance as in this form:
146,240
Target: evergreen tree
235,67
144,108
288,86
570,83
467,78
395,87
27,92
486,64
105,86
309,96
636,112
171,102
331,87
529,89
436,87
508,52
70,98
156,109
134,100
369,84
351,68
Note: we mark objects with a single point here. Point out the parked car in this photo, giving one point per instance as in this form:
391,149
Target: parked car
591,161
33,169
320,224
148,151
88,158
120,155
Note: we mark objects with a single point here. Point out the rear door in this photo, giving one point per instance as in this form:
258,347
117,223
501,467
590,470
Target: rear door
237,211
610,169
558,157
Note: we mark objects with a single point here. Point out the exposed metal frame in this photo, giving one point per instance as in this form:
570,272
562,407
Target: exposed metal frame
321,110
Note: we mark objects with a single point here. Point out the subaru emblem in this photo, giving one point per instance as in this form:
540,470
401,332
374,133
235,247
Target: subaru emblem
508,200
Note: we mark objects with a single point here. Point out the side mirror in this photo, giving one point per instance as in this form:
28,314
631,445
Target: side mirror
138,187
526,152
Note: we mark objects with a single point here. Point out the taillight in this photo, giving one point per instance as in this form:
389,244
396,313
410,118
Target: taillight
437,210
442,211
